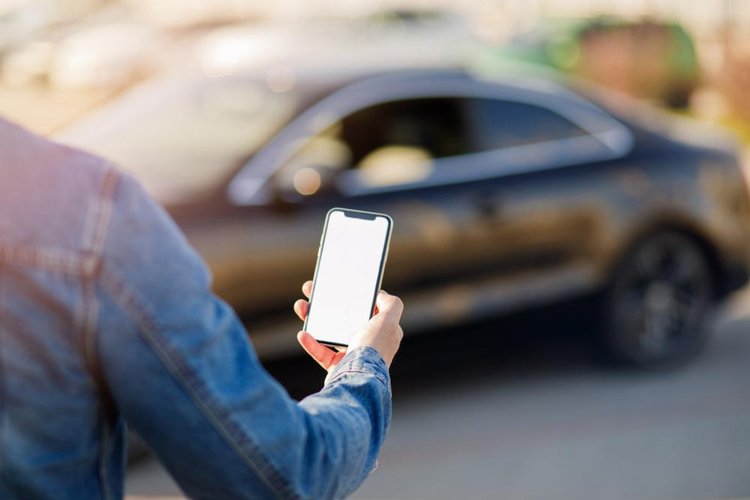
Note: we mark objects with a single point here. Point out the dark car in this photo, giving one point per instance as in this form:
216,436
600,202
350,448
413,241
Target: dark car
505,194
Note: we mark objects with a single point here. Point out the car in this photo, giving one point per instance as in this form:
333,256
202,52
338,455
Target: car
99,56
507,193
389,37
647,58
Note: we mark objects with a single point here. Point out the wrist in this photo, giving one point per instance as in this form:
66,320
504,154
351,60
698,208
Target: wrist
361,359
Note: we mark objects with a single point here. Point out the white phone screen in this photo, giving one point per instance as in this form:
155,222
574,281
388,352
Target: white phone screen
347,277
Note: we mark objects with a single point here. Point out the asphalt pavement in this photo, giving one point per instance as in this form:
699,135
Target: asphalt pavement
523,408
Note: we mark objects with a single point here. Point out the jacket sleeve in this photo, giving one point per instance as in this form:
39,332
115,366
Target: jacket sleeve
182,371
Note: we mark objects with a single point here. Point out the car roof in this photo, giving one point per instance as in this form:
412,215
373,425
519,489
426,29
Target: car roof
312,81
317,81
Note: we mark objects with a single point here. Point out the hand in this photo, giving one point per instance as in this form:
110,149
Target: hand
382,332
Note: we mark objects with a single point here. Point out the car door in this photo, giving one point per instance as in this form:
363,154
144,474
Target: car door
527,218
541,216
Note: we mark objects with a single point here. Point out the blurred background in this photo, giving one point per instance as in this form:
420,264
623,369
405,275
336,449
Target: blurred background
568,180
63,58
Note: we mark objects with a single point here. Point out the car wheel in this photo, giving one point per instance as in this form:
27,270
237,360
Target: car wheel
658,303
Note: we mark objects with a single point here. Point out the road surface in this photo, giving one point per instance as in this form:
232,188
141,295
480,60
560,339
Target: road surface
521,408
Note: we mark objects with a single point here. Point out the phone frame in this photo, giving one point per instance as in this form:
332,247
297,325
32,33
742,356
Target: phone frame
357,214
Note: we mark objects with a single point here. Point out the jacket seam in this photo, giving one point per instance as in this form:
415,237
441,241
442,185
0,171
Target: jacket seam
150,331
71,262
93,242
94,238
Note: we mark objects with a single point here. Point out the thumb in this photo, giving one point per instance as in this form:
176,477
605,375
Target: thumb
389,307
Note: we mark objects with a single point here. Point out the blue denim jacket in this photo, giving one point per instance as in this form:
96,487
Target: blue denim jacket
107,317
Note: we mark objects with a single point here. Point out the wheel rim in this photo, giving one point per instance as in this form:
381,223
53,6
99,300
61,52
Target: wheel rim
661,295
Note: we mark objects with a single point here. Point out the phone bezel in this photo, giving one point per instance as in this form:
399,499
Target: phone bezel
357,214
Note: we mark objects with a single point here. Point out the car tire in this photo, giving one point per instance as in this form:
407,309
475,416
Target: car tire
658,304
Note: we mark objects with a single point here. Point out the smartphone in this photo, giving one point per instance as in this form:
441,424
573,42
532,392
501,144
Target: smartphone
351,259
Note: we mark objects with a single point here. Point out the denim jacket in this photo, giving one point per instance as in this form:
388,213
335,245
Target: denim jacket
107,317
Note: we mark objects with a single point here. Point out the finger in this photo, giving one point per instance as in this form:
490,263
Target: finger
307,288
376,309
320,353
389,307
301,307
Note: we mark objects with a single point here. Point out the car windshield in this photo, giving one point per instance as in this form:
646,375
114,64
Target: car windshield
189,139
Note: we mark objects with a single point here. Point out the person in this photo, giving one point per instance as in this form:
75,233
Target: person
107,317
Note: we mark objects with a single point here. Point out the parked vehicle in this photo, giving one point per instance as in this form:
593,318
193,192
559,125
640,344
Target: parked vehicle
104,55
506,194
646,58
373,37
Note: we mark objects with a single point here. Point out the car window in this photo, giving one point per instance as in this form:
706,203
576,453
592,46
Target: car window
390,143
501,124
432,125
397,142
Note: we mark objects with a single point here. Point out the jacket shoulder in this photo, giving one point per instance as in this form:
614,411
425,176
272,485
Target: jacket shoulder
49,191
